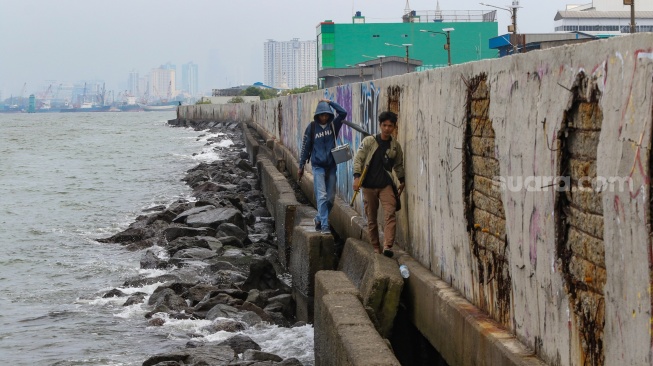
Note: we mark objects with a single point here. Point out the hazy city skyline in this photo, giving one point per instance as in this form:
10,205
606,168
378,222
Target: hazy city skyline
76,40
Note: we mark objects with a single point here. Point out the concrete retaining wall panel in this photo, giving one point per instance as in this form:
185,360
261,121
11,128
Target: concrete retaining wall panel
529,95
275,186
347,336
311,252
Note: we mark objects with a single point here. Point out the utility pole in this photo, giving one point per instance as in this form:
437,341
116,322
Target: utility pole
447,46
633,29
407,65
513,17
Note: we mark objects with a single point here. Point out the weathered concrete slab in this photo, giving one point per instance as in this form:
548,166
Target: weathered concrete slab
311,252
344,335
251,144
378,279
294,215
461,332
274,185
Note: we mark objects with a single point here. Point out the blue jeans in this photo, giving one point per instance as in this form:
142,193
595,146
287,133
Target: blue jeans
324,186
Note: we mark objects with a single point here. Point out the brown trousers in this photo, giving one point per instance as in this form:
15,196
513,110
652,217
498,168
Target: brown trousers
371,198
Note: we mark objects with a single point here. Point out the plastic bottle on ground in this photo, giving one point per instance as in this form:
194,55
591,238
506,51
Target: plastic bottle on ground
404,271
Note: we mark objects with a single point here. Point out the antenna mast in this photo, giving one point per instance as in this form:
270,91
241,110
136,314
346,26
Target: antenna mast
438,11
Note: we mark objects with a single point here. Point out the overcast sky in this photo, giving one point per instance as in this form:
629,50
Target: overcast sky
76,40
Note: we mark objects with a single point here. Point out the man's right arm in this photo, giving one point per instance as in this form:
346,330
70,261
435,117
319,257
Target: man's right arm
307,148
359,160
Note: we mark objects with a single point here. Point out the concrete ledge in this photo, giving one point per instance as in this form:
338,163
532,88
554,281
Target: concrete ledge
284,223
347,222
311,252
251,144
274,185
261,131
344,335
378,279
280,153
461,332
329,282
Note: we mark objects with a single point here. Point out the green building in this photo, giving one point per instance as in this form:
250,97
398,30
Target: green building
346,45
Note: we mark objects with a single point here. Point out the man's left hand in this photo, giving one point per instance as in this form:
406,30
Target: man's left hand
401,188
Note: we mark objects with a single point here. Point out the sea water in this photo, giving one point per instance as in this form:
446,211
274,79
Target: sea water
66,180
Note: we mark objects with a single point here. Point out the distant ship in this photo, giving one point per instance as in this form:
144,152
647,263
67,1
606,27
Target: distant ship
88,107
130,108
161,106
12,109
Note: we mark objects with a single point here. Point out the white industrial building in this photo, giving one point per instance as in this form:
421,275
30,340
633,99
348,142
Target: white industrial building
289,64
605,18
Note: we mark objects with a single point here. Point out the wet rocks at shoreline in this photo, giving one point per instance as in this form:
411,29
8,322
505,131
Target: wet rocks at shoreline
220,256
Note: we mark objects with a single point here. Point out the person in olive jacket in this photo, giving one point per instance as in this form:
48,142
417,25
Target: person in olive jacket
378,156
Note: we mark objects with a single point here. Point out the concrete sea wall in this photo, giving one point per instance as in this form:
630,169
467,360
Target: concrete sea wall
502,158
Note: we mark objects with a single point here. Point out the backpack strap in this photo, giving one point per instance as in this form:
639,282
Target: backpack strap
312,132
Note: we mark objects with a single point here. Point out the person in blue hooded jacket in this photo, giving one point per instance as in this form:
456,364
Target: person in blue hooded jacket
319,139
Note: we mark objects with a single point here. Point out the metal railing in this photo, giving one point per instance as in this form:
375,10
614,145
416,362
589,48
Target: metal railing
447,16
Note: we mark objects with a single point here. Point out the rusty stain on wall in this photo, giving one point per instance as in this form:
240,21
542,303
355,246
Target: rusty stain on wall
394,105
486,219
394,93
579,218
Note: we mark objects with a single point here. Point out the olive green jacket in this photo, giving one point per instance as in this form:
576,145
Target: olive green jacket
366,151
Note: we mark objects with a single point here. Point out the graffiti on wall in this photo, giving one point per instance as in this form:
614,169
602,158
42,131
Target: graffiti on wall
369,107
343,96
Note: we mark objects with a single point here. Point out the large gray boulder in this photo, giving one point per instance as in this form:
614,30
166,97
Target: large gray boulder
240,343
262,276
214,217
181,218
174,232
222,311
207,355
230,229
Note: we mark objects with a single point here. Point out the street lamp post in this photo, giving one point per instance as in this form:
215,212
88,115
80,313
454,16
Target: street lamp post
336,76
513,17
632,14
361,70
406,45
380,57
447,46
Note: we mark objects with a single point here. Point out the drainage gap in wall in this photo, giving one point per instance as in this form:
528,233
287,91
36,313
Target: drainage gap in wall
280,117
579,218
408,344
486,219
650,225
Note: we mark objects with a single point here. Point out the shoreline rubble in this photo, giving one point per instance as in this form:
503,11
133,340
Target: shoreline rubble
220,254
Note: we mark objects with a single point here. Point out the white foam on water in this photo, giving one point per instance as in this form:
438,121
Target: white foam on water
207,155
225,143
184,325
285,342
136,311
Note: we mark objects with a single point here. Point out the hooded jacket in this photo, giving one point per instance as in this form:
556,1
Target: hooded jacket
318,142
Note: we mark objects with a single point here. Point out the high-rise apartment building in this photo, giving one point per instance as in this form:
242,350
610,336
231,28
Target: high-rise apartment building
132,84
190,78
289,64
162,84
